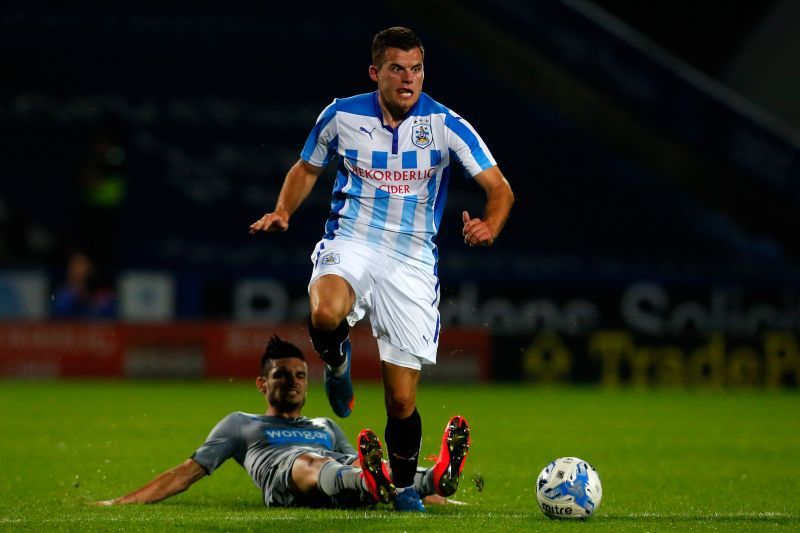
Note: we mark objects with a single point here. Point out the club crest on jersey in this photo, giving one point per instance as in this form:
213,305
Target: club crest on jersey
331,259
421,135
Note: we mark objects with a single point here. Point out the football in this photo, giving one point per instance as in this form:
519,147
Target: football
569,488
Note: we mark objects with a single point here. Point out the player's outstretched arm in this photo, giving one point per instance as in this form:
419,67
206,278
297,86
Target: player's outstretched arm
499,199
296,187
166,484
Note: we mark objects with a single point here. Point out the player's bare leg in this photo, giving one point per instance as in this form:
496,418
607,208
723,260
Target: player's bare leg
331,298
403,432
305,472
400,389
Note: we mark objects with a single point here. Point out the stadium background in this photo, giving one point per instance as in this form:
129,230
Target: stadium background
653,152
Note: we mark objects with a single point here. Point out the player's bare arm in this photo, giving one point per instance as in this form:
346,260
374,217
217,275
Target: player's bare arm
166,484
296,187
499,199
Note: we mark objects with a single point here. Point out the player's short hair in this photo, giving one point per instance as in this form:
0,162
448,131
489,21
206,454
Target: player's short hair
394,37
278,348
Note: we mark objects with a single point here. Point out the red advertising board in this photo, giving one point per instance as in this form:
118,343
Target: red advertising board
202,350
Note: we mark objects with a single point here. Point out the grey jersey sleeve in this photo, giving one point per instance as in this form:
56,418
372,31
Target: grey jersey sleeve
224,441
340,442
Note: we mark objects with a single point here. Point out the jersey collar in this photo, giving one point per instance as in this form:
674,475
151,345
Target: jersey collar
379,112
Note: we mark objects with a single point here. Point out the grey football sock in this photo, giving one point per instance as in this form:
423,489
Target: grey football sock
423,482
335,478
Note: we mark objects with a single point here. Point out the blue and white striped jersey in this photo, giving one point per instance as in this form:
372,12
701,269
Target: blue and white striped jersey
391,183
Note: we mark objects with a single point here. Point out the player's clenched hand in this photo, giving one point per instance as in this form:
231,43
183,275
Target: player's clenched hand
476,231
278,221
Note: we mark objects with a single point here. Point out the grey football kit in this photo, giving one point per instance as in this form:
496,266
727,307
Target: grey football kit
267,446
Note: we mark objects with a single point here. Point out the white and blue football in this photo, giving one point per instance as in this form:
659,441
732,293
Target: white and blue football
569,488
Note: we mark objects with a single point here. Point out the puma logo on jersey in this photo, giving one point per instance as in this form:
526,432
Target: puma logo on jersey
365,130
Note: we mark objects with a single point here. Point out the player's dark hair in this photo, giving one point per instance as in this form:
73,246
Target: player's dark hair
278,348
394,37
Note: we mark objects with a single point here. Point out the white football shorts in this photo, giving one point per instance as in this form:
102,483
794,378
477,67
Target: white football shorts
402,301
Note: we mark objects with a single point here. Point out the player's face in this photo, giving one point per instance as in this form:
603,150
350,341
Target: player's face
399,79
285,384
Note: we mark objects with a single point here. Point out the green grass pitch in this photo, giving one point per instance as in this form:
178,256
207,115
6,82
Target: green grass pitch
669,460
